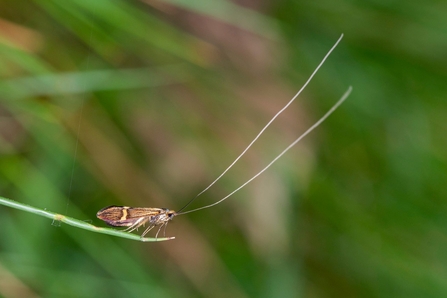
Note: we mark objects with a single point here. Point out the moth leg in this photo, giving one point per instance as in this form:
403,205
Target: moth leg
164,230
150,227
136,225
165,224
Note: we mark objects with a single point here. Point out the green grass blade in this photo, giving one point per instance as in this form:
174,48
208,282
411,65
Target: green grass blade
76,222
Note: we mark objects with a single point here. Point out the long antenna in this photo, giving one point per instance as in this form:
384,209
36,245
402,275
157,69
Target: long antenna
268,124
328,113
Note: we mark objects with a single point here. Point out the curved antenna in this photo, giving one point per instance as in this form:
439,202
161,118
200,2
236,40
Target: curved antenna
268,124
328,113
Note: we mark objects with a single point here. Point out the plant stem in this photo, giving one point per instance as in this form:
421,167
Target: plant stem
76,222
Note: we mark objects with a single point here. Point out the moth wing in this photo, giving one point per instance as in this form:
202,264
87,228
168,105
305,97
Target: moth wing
121,216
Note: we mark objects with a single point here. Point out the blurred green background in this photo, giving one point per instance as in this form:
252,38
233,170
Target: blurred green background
144,103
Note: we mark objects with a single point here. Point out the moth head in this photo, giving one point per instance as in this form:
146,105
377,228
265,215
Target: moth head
170,213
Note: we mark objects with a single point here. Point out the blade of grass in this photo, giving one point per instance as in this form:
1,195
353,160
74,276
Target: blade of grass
91,81
76,222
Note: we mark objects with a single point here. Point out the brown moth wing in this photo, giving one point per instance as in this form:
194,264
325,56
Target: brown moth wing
122,216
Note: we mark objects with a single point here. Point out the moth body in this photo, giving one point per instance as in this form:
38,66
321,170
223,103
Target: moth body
135,217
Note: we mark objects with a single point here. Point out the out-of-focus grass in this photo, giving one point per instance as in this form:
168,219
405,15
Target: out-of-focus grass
159,97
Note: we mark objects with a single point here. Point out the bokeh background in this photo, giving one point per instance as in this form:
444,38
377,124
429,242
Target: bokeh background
144,103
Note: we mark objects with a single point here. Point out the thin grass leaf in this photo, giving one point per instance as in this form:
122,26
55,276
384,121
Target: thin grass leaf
76,222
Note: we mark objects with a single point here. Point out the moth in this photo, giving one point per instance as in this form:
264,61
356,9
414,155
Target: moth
133,218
